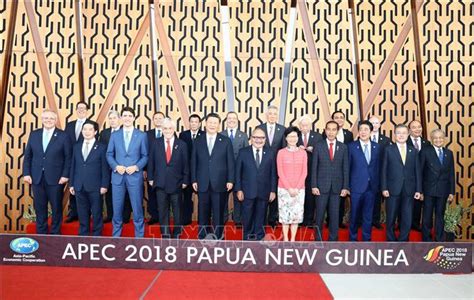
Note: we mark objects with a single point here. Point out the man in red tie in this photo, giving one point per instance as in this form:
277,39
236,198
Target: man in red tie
168,175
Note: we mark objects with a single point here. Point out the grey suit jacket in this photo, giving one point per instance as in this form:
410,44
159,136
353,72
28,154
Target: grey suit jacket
330,176
240,141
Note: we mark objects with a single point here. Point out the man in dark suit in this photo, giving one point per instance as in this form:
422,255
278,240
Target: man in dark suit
189,136
383,141
343,136
329,179
400,182
104,137
127,155
364,161
437,165
168,175
212,176
274,134
46,165
255,183
152,135
239,140
73,130
308,141
416,141
90,178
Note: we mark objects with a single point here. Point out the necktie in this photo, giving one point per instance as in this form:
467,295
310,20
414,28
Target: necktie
78,128
158,134
46,136
257,158
374,139
305,140
127,140
440,155
403,153
168,151
366,153
85,150
210,144
194,136
232,135
331,151
270,136
417,146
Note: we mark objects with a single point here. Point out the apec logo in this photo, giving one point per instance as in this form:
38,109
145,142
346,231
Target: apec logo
24,245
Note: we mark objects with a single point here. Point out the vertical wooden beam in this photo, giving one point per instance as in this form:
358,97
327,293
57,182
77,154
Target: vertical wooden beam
80,48
154,57
355,58
419,67
7,62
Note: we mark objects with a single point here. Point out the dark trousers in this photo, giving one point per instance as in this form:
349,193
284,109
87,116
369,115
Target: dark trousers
377,209
188,206
362,205
89,203
211,203
309,208
127,206
42,194
164,202
272,216
438,204
152,203
72,207
237,212
393,205
327,202
417,212
253,218
342,210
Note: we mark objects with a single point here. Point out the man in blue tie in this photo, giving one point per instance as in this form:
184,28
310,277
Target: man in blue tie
127,155
47,160
364,161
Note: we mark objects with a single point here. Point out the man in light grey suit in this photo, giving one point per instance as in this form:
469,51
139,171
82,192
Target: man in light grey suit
239,140
329,179
127,155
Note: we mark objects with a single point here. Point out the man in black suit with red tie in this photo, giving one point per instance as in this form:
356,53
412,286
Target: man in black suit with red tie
437,165
383,141
416,141
73,130
189,137
46,165
168,175
152,135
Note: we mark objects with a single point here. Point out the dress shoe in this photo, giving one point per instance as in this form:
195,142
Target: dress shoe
152,221
70,219
107,220
126,221
342,226
416,228
377,225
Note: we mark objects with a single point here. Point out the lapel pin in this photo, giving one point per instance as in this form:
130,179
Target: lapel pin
176,147
55,134
220,139
409,150
95,147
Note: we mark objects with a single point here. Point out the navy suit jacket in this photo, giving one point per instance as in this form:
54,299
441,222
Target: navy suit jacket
330,175
278,137
438,179
137,154
168,177
71,132
187,138
214,170
55,161
395,176
361,173
252,181
93,173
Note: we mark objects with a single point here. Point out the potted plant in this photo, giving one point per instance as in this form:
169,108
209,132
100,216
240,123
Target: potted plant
452,219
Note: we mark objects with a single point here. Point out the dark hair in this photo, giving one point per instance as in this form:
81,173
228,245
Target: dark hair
400,126
129,109
194,116
94,124
331,122
292,129
82,102
159,113
338,112
365,122
232,113
213,115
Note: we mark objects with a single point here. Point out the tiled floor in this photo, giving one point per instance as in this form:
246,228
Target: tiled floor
400,286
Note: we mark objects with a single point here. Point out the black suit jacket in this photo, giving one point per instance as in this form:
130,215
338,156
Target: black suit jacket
395,176
168,176
424,143
314,138
187,138
438,179
278,137
71,132
330,175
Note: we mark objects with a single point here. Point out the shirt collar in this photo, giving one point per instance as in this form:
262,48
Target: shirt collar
91,142
171,140
49,131
362,143
329,142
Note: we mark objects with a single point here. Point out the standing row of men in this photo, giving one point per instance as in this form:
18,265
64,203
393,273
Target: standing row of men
214,165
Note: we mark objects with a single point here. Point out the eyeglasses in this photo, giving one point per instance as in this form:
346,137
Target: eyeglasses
258,137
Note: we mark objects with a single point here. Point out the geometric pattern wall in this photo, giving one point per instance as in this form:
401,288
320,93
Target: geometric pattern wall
45,69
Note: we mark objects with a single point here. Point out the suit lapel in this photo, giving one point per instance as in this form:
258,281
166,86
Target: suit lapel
51,141
400,155
361,152
91,152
